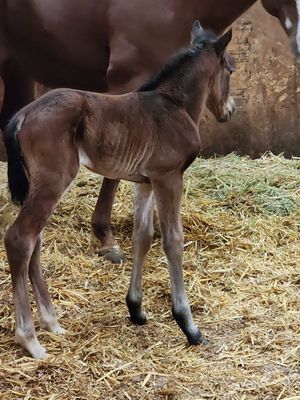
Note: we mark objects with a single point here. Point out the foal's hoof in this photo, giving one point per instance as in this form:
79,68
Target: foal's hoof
138,319
197,338
137,315
33,346
114,255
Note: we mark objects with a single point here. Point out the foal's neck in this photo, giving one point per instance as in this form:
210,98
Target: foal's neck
188,87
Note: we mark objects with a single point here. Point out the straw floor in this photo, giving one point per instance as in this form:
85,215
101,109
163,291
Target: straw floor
242,271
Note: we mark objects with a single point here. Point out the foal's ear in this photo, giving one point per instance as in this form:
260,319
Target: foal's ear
222,42
196,30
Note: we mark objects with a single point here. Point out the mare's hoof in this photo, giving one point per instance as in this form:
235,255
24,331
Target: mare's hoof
197,339
114,255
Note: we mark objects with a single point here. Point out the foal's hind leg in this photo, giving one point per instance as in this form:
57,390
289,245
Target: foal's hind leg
142,239
20,242
46,311
168,192
19,248
101,222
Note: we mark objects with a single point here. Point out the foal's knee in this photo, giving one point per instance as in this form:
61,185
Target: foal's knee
143,233
173,242
142,240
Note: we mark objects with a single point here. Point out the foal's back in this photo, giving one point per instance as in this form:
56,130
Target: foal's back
119,137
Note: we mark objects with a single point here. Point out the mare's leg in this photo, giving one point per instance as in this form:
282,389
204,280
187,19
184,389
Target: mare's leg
46,311
101,222
2,146
168,193
18,92
3,156
142,239
120,79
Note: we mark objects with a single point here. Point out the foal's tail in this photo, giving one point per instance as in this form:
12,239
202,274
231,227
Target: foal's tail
17,179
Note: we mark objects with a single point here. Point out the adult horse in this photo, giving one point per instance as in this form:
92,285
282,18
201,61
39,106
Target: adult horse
108,46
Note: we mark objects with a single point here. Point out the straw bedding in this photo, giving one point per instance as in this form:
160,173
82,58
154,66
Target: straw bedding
242,255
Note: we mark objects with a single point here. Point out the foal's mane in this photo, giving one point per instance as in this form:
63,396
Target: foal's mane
184,55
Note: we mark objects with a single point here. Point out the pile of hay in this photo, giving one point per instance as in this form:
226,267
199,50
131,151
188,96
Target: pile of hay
242,271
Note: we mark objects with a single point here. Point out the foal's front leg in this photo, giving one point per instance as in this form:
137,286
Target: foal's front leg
142,239
101,222
168,192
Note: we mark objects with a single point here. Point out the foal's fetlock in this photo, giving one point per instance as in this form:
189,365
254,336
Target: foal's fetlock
50,324
29,341
188,327
137,315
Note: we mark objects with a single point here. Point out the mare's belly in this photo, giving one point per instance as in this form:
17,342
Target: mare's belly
60,43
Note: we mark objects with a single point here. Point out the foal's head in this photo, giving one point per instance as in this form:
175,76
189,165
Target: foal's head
221,66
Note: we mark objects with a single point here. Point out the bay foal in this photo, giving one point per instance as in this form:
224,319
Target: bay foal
149,137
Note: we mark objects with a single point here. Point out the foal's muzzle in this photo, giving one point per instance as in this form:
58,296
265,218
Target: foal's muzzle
228,110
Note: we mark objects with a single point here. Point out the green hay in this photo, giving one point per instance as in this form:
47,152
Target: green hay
261,186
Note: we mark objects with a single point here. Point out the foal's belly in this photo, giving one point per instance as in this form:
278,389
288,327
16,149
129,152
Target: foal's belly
131,167
111,171
102,170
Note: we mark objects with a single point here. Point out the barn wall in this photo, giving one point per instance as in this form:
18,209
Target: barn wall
266,88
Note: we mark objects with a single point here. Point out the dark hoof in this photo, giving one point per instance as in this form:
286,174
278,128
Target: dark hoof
140,319
197,339
137,315
114,255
